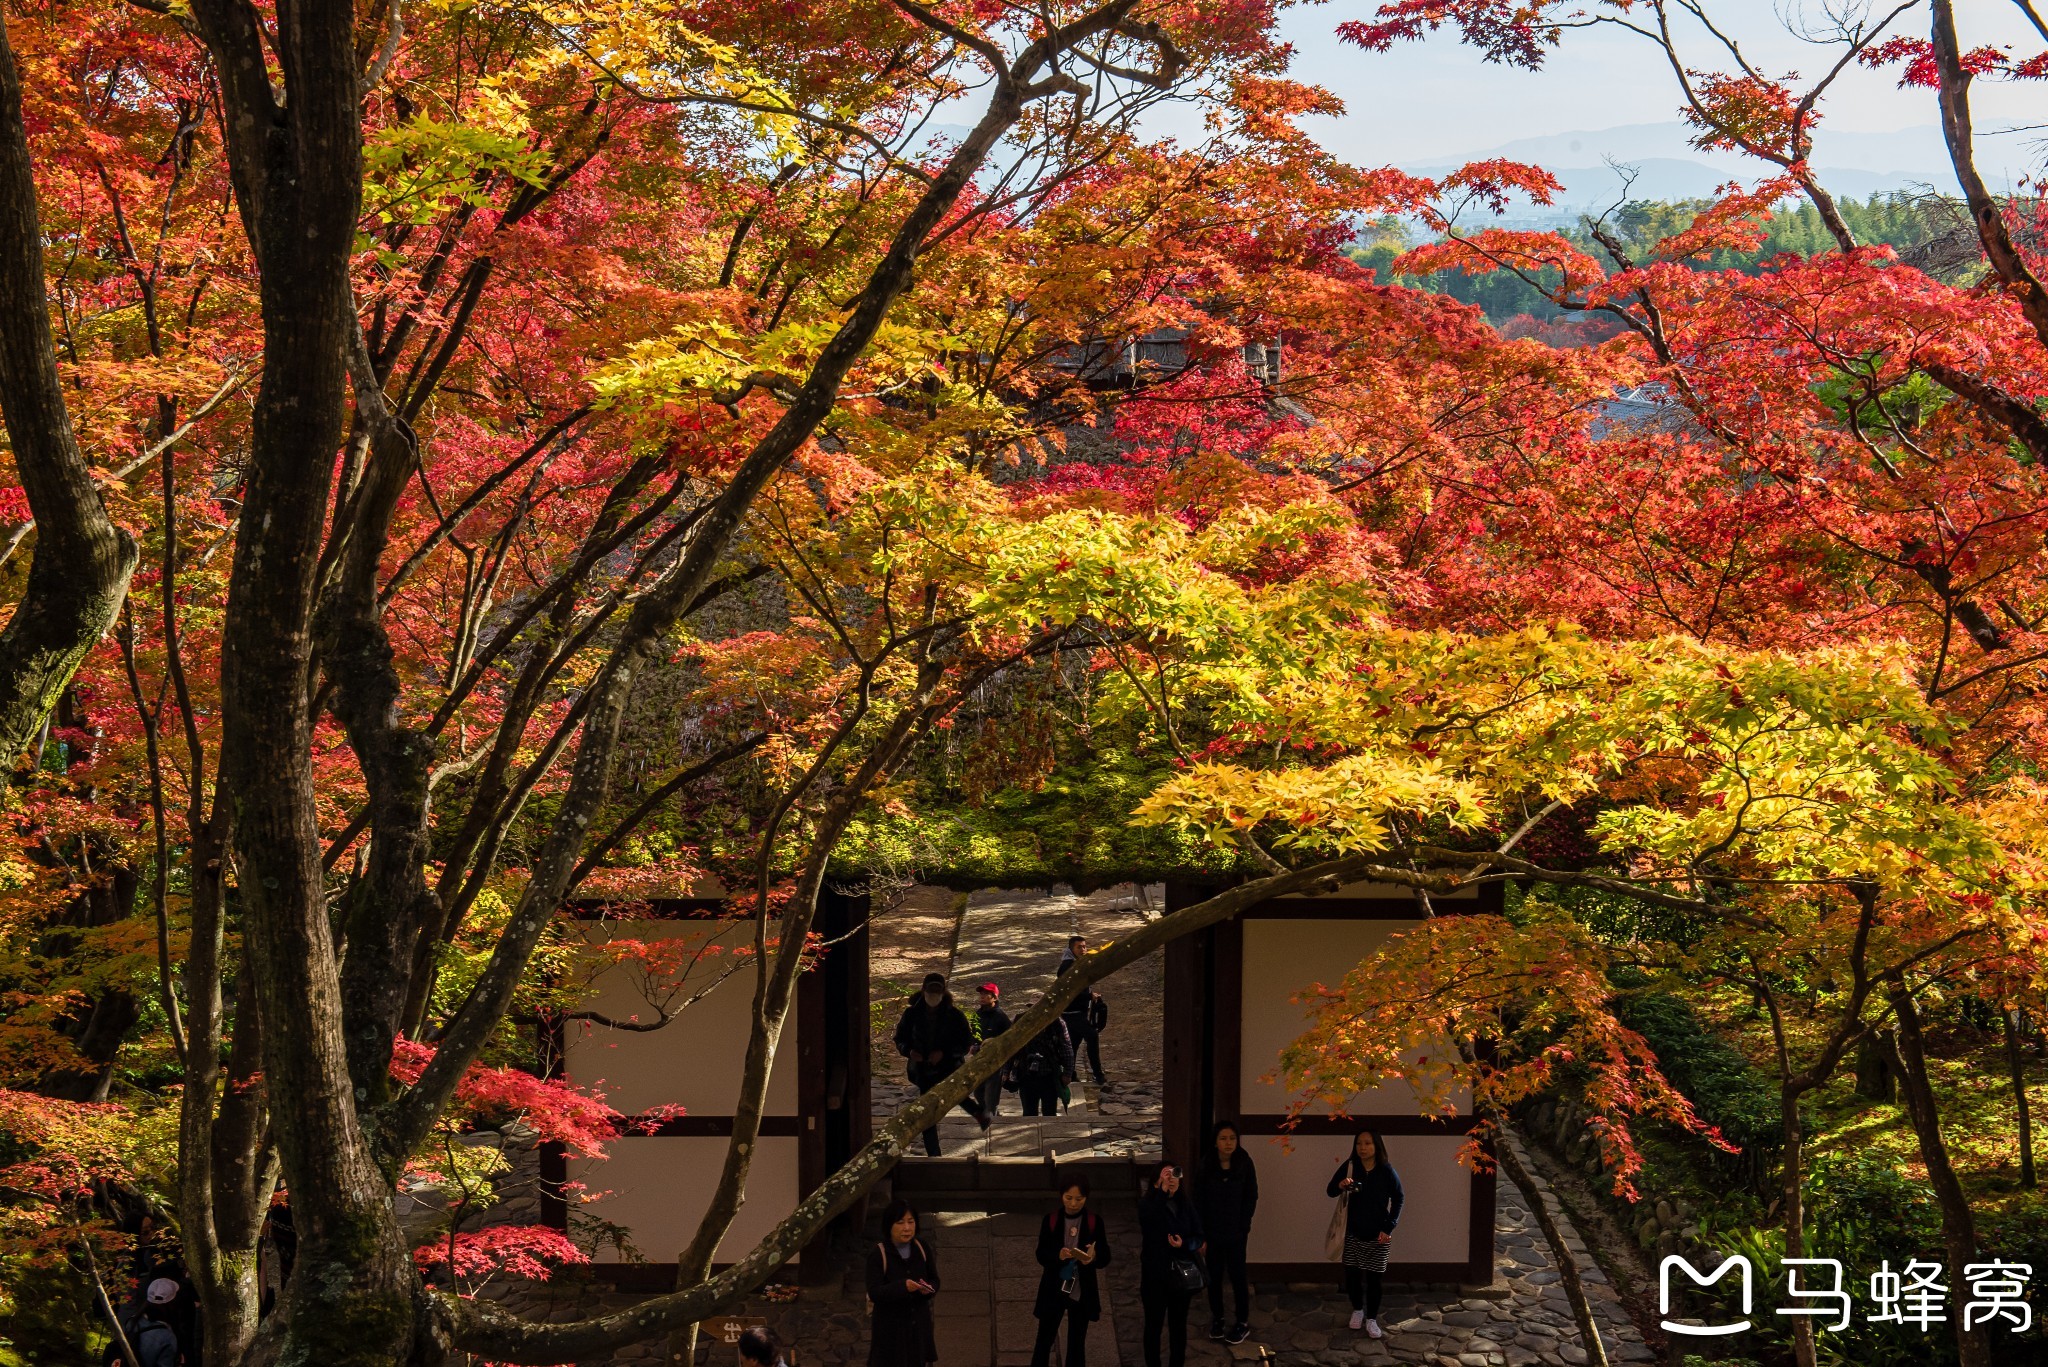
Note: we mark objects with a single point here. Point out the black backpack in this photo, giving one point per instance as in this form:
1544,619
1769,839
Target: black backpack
154,1342
1041,1056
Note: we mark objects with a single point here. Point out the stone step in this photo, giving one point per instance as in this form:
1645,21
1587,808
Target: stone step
991,1175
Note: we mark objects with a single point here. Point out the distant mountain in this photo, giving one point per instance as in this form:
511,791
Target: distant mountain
1918,149
1667,166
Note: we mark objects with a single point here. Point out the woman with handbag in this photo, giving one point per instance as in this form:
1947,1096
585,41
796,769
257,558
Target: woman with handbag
1169,1263
903,1277
1073,1248
1368,1191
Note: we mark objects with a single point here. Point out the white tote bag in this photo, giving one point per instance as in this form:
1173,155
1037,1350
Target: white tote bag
1340,1219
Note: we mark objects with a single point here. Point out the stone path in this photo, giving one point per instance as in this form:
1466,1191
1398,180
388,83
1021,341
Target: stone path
1014,938
990,1278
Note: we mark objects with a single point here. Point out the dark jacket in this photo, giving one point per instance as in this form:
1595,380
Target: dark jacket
1049,1055
1226,1197
1075,1012
1376,1200
1158,1216
990,1021
154,1342
901,1334
1052,1237
925,1028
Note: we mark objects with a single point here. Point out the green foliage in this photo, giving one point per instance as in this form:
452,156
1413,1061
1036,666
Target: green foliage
1721,1084
1863,1212
1074,829
46,1316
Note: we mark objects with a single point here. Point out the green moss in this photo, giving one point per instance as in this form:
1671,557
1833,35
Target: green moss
1076,828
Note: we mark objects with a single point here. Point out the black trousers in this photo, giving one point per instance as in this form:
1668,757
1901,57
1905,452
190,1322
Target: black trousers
1166,1309
1364,1290
1077,1336
1227,1260
1041,1095
1085,1034
927,1076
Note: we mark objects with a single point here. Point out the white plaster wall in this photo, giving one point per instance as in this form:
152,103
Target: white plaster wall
1281,960
695,1060
1294,1214
658,1186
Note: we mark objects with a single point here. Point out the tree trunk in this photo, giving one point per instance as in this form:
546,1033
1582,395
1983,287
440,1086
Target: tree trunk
1792,1178
1567,1261
1958,1225
1874,1078
295,156
2005,258
2015,1061
78,574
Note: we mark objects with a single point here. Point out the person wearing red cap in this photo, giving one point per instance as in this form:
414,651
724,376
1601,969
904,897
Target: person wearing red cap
990,1020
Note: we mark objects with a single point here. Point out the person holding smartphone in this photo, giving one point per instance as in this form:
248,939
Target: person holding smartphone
1170,1259
1073,1248
903,1276
1372,1192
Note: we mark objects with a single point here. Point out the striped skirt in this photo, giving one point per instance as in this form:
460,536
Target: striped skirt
1367,1255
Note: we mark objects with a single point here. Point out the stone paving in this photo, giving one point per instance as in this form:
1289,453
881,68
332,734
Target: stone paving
1014,938
990,1277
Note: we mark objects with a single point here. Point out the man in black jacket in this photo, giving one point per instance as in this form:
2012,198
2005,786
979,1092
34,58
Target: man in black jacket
933,1036
1085,1016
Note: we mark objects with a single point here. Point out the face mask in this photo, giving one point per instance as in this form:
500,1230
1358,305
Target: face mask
933,998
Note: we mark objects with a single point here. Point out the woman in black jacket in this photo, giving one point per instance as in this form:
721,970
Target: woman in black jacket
1226,1194
1171,1230
903,1276
1372,1191
1073,1248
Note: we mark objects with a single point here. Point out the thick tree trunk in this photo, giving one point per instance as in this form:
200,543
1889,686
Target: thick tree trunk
297,167
2016,1062
1958,1224
81,563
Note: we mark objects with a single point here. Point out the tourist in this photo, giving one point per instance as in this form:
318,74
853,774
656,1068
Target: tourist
1043,1067
1169,1263
990,1020
902,1279
934,1037
760,1348
1226,1194
1098,1021
1073,1248
147,1328
1080,1014
1077,945
1371,1190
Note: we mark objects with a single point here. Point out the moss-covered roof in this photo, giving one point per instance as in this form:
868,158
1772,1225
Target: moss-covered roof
1075,828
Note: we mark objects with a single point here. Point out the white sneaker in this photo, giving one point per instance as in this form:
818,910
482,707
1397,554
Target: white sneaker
1358,1319
1372,1329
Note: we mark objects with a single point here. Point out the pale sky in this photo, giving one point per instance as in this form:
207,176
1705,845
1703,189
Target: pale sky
1437,99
